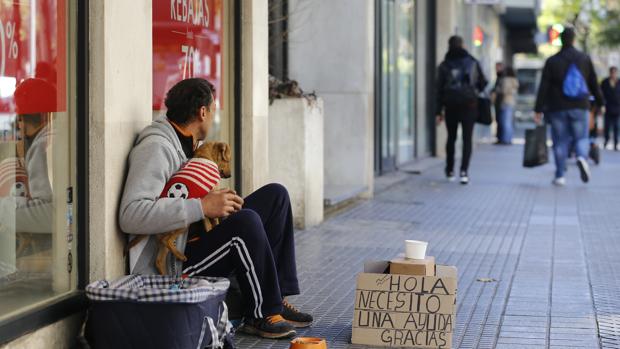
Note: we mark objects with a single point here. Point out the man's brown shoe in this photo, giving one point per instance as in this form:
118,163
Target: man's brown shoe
271,327
295,317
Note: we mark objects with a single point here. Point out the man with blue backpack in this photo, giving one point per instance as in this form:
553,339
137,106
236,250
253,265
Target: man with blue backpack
568,81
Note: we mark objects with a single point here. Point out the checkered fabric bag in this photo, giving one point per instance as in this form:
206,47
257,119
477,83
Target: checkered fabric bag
153,311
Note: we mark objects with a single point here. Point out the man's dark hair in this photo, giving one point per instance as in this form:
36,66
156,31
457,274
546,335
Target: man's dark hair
185,99
455,41
568,36
613,69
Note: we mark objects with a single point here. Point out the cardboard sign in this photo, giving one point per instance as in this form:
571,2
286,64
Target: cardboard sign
404,310
403,301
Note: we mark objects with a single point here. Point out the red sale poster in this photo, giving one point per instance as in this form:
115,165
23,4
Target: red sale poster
187,42
33,44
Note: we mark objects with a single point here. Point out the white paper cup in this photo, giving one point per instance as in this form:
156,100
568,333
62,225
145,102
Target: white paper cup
415,249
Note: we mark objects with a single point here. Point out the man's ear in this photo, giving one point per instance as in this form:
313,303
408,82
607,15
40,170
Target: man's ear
203,112
224,150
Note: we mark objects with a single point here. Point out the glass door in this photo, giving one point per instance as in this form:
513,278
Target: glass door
395,122
389,87
405,69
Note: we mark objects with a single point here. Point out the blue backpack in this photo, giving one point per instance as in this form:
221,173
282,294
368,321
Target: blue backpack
574,86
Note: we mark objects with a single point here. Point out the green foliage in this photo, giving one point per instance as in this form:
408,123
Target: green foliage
598,26
559,11
609,33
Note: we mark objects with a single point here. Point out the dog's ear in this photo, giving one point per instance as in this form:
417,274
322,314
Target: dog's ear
224,150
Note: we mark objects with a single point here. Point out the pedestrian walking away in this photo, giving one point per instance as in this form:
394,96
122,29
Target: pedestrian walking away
611,92
509,86
595,152
497,99
568,80
459,82
254,238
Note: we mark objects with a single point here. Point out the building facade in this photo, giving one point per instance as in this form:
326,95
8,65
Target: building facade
80,79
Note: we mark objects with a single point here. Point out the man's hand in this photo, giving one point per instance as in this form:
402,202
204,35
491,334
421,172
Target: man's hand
538,118
221,203
439,119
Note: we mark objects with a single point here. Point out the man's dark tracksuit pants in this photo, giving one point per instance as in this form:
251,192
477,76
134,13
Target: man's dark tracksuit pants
466,116
257,244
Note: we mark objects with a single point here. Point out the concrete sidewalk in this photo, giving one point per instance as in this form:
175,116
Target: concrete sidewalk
555,253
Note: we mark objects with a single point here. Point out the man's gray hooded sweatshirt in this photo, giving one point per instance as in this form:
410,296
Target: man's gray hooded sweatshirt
155,157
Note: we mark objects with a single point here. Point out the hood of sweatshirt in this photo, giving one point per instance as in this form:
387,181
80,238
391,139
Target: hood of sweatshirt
456,53
569,52
161,127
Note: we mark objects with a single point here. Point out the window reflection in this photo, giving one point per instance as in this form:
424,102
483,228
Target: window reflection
26,196
35,99
406,83
36,164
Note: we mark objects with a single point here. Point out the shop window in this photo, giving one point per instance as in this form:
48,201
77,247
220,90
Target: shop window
191,39
37,154
397,83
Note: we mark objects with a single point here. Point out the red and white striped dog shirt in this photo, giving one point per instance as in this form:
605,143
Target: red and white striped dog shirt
13,178
195,179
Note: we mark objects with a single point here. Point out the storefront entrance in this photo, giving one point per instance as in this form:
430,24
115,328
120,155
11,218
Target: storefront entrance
395,84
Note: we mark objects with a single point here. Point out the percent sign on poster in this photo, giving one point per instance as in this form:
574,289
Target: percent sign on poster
8,46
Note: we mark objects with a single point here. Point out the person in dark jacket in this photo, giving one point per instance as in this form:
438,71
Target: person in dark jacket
459,81
568,114
611,92
498,99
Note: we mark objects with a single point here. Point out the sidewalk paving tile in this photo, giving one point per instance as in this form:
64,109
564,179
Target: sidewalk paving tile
552,251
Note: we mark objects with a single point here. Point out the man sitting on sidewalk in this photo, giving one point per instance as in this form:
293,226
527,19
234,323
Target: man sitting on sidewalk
256,236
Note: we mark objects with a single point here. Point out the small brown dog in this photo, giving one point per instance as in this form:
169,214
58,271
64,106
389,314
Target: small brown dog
210,163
